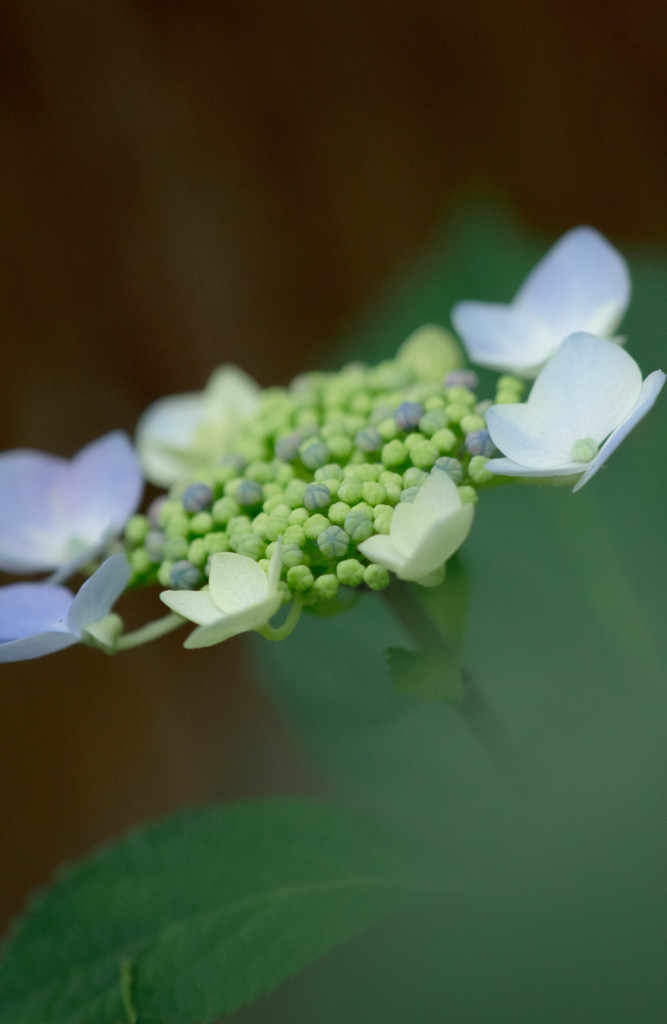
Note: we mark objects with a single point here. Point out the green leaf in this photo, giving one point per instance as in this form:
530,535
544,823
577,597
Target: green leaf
426,675
190,918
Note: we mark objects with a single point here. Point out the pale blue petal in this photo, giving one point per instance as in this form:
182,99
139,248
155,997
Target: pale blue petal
505,467
35,646
523,435
651,388
101,490
31,539
98,594
582,284
28,608
503,337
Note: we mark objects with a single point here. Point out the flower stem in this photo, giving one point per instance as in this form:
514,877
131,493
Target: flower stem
281,632
474,710
151,631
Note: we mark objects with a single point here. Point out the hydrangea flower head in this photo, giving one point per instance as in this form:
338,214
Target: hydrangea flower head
57,513
41,618
180,432
424,533
584,402
582,284
241,596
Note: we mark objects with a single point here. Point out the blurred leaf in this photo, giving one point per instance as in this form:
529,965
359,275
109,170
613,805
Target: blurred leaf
426,675
194,916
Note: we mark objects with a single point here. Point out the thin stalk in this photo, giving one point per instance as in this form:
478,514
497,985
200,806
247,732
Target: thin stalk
151,631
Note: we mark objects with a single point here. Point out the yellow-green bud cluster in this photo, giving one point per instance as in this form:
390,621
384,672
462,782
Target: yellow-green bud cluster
322,466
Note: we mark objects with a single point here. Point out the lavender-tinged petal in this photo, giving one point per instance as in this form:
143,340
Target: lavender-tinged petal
31,540
98,594
101,490
30,608
35,646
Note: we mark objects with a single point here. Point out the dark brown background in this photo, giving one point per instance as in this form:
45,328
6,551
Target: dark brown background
184,183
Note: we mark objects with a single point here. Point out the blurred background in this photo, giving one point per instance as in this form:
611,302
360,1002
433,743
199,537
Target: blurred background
188,183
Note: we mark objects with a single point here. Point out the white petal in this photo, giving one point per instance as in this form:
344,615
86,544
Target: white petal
379,549
521,433
165,435
582,284
97,596
231,396
505,467
503,337
240,621
438,494
275,566
589,387
237,582
196,605
438,544
408,524
651,388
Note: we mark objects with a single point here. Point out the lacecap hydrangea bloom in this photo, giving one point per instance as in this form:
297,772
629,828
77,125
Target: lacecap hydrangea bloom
342,482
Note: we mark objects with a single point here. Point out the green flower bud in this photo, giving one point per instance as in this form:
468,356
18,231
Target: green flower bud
434,420
140,563
338,512
504,397
283,473
434,402
178,526
456,411
414,477
272,490
201,523
224,510
295,535
365,471
445,440
340,446
297,516
452,467
471,423
184,575
390,479
506,380
261,472
477,471
387,429
231,486
136,529
175,548
295,492
326,586
299,578
314,453
376,577
259,524
368,440
215,542
430,352
461,396
274,502
239,524
394,454
197,498
332,471
468,495
315,525
382,522
333,542
350,491
361,402
293,555
359,525
409,494
350,572
374,493
197,553
164,574
154,545
424,455
332,485
251,546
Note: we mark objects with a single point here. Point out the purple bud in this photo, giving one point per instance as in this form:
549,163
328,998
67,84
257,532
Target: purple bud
287,448
237,462
153,512
154,544
317,496
184,575
197,498
248,492
452,467
314,454
368,440
461,379
479,442
408,415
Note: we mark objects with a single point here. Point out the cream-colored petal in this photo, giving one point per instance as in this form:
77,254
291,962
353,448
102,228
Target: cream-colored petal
226,626
237,582
379,549
438,494
166,434
196,605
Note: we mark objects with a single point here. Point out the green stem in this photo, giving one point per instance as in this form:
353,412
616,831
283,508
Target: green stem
281,632
151,631
477,715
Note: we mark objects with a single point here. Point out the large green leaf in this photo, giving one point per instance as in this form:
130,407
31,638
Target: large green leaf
194,916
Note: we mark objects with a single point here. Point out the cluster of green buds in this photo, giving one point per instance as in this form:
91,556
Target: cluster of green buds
321,467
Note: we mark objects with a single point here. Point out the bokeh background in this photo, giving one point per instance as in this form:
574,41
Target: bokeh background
189,182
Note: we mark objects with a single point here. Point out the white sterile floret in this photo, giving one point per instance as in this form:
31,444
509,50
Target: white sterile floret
582,405
241,596
423,533
582,284
180,432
